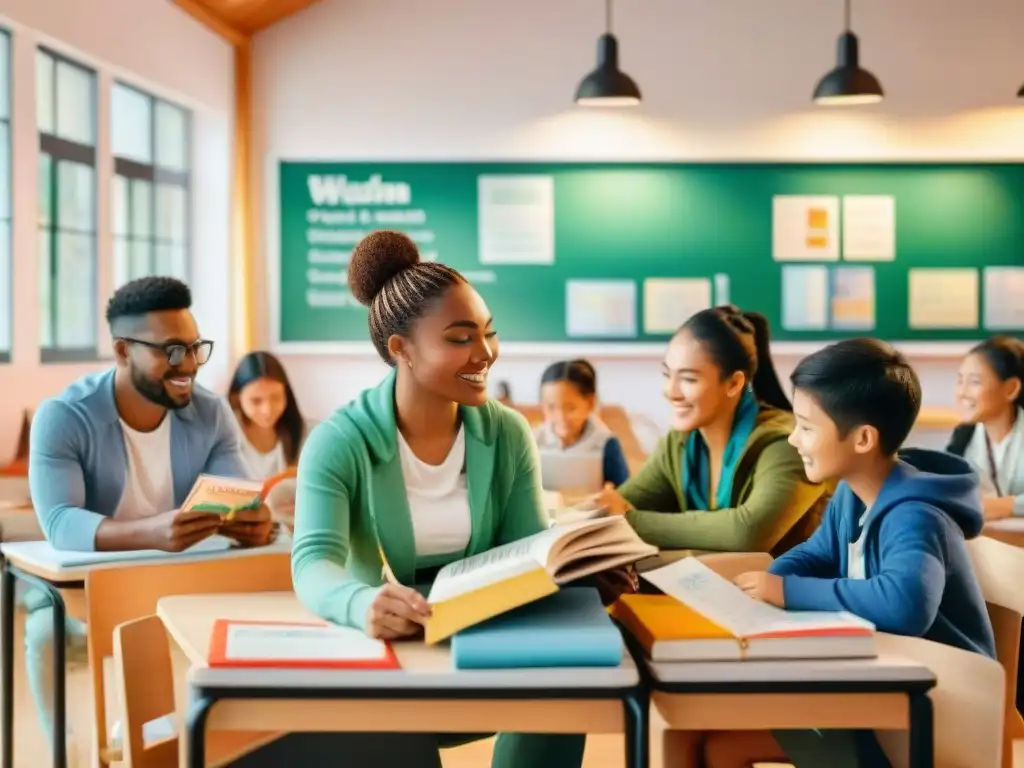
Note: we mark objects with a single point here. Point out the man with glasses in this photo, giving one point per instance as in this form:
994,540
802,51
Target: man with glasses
114,456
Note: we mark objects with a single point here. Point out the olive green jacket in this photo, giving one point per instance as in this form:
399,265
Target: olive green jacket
771,496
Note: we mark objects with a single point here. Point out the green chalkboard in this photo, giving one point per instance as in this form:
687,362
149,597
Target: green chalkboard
567,225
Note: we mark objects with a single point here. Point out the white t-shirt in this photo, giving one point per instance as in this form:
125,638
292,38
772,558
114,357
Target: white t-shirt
855,567
438,499
259,465
1008,455
149,479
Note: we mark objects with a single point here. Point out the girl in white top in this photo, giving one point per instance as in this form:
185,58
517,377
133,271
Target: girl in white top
270,424
991,397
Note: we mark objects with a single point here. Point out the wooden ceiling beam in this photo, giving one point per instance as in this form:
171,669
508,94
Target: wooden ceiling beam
212,21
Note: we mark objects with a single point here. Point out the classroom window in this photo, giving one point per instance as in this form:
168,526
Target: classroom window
6,311
66,121
150,142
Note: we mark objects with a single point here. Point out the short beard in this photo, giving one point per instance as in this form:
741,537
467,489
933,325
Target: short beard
155,392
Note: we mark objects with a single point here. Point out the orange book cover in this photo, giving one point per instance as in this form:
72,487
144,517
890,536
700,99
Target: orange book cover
659,618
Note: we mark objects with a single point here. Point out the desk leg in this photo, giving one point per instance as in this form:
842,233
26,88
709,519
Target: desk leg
60,731
638,739
922,738
7,580
195,730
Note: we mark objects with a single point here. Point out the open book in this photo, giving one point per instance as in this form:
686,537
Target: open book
705,617
291,645
488,584
224,496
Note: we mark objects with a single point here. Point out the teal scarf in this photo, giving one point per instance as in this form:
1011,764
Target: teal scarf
696,480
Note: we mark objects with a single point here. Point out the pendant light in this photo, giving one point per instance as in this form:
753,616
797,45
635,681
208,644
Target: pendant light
607,86
848,83
1020,93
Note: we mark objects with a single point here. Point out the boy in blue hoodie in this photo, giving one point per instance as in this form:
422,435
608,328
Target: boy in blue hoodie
892,545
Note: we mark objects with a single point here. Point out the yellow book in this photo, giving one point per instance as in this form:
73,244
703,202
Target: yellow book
224,496
704,617
491,583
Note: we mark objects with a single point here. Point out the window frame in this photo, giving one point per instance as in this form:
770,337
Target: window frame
8,85
130,170
59,149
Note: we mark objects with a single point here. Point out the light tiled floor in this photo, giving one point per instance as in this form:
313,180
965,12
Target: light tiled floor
31,749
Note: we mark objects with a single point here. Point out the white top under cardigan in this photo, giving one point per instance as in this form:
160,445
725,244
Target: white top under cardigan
1008,455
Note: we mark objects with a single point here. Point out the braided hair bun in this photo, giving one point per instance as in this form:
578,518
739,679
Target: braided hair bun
376,259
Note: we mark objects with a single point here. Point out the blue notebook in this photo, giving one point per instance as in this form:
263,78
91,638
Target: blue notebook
570,628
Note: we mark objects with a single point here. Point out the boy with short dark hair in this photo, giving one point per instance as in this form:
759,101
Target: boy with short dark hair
892,546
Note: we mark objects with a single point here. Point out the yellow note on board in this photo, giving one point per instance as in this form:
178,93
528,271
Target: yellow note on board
817,218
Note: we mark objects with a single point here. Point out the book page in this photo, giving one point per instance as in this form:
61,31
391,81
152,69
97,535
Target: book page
693,583
280,642
502,562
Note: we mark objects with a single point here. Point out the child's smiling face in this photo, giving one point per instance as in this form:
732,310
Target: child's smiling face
825,454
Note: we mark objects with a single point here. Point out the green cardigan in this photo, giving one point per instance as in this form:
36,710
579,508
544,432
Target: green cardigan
770,494
351,500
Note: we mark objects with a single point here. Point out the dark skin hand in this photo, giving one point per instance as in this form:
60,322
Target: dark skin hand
250,528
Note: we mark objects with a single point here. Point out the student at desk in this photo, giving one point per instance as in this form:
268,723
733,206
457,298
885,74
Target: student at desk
574,445
725,478
990,391
423,468
114,455
892,547
271,429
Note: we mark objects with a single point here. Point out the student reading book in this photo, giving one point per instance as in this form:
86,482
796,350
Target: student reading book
702,616
892,547
422,470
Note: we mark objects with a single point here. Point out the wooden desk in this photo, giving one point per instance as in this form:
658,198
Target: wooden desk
1010,530
426,696
61,575
887,693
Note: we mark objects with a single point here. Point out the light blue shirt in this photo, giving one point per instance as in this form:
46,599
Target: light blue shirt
78,461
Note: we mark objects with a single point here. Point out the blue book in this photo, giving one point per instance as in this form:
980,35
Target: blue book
570,628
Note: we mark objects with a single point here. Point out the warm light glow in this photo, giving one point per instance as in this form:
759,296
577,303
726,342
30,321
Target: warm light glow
608,101
849,100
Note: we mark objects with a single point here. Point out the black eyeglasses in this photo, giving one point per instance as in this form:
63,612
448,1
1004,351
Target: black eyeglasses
176,353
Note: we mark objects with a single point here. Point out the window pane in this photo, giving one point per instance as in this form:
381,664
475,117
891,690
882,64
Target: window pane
171,221
131,124
5,74
76,107
120,206
75,288
122,267
5,286
44,93
142,258
142,208
171,137
45,214
5,171
45,283
76,195
171,261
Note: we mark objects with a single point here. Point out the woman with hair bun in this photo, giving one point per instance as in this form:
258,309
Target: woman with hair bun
419,471
725,478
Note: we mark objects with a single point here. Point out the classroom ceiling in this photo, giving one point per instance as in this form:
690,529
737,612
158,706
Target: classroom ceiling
243,17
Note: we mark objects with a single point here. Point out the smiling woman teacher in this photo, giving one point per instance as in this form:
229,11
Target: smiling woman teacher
423,467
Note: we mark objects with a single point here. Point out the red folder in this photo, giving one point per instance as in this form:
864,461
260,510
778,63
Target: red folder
218,655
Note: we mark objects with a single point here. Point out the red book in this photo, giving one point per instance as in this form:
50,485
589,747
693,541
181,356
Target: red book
294,645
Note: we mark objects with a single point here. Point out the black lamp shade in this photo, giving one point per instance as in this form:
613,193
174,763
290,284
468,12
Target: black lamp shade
607,86
1020,93
848,83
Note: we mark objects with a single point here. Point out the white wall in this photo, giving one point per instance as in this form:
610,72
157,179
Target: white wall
725,80
154,45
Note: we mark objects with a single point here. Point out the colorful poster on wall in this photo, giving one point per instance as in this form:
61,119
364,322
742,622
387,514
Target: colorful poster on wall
853,299
944,298
600,309
805,228
869,228
1004,298
805,298
670,302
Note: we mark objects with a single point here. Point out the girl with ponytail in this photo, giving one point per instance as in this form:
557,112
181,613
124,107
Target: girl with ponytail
990,394
725,478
